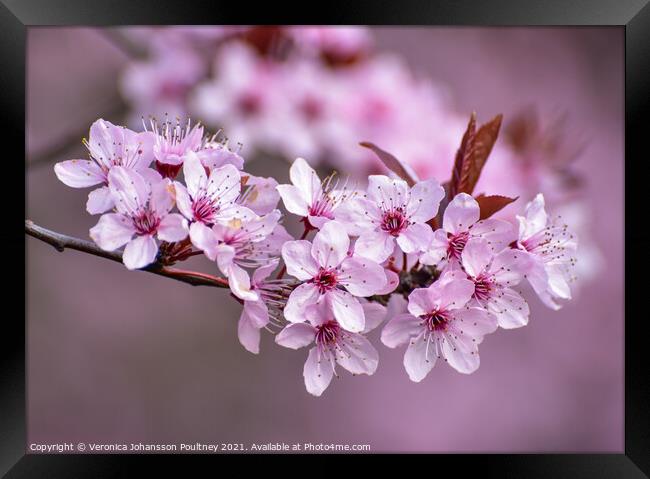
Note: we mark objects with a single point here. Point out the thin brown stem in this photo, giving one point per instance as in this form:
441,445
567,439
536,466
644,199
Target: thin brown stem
62,242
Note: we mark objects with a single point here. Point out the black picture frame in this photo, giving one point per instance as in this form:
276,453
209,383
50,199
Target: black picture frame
633,15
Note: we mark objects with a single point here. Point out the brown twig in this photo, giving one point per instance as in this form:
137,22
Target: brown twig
62,242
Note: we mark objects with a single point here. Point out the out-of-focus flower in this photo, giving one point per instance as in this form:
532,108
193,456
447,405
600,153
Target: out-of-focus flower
551,247
440,325
143,211
333,345
460,223
329,274
493,277
391,212
109,146
308,197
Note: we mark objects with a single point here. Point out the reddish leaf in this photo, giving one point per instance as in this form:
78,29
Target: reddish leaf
472,155
390,162
491,204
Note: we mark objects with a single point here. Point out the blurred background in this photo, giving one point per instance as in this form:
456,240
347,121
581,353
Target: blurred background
115,356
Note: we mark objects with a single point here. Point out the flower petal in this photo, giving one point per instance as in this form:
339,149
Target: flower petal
387,192
361,276
425,200
296,335
330,245
347,310
509,308
436,251
112,231
509,267
183,201
100,201
474,322
476,256
415,238
248,333
79,173
374,313
318,371
293,200
172,228
240,283
462,355
129,188
374,245
224,185
262,196
304,295
306,180
298,259
140,252
204,239
400,330
419,358
357,215
194,172
357,355
461,213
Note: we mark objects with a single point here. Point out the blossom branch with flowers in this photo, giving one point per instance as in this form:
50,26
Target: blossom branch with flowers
425,258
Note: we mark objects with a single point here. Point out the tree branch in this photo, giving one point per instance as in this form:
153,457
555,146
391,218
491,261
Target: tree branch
62,242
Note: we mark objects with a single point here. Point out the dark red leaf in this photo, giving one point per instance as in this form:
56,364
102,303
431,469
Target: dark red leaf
491,204
474,150
390,162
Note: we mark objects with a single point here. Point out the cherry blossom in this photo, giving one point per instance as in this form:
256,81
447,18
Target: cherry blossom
173,143
440,323
143,211
109,145
493,277
243,242
308,197
333,345
327,272
551,247
210,199
390,213
460,223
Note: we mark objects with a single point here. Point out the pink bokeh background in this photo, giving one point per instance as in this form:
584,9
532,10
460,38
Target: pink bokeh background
131,357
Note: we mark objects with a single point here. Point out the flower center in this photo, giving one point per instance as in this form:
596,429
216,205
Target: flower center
327,333
146,222
203,210
325,280
394,222
321,207
436,321
457,244
482,287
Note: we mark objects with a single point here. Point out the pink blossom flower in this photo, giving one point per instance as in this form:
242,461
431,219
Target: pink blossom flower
327,272
257,313
391,212
460,223
143,211
440,324
493,276
109,146
210,199
333,345
307,197
173,143
245,242
551,248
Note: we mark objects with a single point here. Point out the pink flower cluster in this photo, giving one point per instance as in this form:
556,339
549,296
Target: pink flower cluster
391,251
